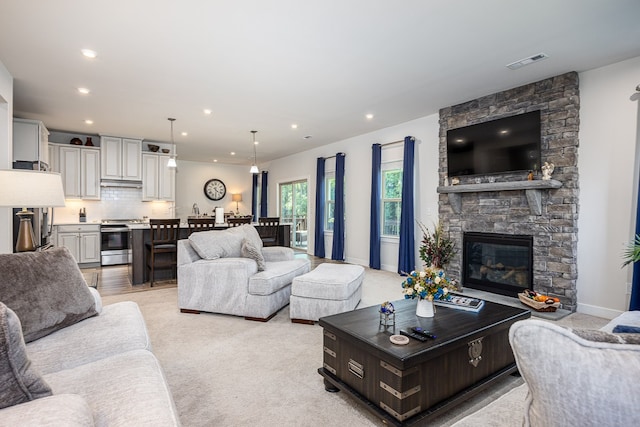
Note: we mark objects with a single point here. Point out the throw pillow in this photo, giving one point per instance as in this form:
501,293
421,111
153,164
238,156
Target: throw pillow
249,250
216,244
19,382
46,290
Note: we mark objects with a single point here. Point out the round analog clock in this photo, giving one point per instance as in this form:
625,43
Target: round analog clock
215,189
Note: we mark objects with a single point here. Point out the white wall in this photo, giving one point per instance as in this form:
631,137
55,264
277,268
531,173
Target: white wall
6,152
609,141
358,185
190,180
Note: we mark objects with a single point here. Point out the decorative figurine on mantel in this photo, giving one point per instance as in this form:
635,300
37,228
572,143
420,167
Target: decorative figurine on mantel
530,176
547,170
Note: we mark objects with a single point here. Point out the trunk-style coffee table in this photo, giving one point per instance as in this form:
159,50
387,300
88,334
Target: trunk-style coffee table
408,384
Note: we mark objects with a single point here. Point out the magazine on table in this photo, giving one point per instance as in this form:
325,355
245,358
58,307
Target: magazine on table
461,303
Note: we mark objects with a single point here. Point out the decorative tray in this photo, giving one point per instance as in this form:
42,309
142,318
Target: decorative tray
537,305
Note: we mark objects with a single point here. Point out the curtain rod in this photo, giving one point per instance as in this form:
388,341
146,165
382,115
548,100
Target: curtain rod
333,157
396,142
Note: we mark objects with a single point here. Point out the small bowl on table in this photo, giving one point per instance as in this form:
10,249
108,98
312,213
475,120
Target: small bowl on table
153,148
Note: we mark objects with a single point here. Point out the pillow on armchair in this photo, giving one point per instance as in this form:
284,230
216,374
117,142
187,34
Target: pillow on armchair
577,377
46,290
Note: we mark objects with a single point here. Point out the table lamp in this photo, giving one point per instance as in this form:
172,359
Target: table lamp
29,189
237,198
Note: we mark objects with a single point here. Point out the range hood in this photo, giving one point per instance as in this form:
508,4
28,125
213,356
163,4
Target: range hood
120,183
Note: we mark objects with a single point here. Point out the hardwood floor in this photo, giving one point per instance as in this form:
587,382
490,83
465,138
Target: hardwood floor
114,280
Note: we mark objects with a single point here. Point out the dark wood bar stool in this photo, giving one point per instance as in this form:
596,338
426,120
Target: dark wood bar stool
235,222
201,224
268,230
164,240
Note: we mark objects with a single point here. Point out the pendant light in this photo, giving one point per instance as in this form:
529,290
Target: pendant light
172,160
254,167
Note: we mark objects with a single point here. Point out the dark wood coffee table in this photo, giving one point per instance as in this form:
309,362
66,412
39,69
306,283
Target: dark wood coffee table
410,384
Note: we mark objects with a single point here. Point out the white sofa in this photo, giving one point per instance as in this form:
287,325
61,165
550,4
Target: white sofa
100,372
230,272
572,377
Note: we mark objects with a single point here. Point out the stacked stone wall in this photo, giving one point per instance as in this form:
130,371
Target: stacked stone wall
555,231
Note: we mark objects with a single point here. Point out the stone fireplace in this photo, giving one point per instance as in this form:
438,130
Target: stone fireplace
510,205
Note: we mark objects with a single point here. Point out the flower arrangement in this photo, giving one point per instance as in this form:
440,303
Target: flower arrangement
429,284
435,249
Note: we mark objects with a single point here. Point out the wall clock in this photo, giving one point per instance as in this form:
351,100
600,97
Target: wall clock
215,189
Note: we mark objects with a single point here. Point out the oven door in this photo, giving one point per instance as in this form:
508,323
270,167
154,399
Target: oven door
114,238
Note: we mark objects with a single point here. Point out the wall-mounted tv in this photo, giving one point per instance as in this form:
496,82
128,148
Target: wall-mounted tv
508,144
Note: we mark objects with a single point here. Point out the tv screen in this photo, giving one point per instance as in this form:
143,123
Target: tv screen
509,144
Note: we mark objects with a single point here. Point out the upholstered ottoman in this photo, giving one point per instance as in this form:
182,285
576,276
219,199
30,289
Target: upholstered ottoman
328,289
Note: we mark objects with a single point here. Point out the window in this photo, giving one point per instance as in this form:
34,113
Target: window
330,201
391,201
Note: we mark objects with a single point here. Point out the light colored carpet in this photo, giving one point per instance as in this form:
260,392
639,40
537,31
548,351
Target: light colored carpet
224,370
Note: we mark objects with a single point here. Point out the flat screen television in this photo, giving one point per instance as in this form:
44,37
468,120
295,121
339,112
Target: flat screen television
509,144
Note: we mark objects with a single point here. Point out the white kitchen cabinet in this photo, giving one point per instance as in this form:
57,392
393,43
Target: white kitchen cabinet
158,180
54,157
121,158
80,170
82,240
30,140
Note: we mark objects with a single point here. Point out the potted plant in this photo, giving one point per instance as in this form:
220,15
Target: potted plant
632,253
436,250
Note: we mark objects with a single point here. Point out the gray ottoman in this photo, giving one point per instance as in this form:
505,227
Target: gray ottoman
328,289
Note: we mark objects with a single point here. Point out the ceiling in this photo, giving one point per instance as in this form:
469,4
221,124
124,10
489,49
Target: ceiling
265,65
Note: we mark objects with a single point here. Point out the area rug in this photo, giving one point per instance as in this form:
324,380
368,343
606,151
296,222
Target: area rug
224,370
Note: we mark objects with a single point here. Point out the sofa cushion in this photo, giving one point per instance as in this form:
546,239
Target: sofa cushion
119,328
217,243
46,290
574,381
127,389
249,250
19,381
276,276
68,410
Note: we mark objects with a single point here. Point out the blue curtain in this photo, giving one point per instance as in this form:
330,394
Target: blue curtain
634,303
318,247
254,197
337,251
376,194
406,253
263,194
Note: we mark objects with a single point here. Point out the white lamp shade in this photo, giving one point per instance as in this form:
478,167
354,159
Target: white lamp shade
171,163
30,189
254,169
236,197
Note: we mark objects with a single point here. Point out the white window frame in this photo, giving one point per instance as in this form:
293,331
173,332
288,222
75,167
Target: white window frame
327,200
388,165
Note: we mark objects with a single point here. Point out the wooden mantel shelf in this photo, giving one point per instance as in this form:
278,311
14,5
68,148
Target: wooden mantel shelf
531,188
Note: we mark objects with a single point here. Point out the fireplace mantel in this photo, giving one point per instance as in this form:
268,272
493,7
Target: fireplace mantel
531,188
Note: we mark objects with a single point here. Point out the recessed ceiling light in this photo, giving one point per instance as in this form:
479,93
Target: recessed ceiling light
89,121
294,126
215,160
83,90
207,111
89,53
233,153
369,116
256,142
184,134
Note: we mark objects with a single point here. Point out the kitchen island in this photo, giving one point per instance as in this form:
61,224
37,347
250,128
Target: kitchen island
140,235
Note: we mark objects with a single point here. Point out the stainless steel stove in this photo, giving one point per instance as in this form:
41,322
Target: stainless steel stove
114,236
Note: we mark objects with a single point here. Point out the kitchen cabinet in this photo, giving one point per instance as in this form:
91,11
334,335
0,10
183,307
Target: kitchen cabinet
30,140
80,170
158,180
82,240
121,158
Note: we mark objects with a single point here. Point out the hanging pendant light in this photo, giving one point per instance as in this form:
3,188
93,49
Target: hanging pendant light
254,167
172,160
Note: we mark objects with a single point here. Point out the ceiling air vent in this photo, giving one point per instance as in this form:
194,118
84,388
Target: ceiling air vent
526,61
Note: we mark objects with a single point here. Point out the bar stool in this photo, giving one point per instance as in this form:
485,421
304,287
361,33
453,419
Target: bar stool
164,240
201,224
268,230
